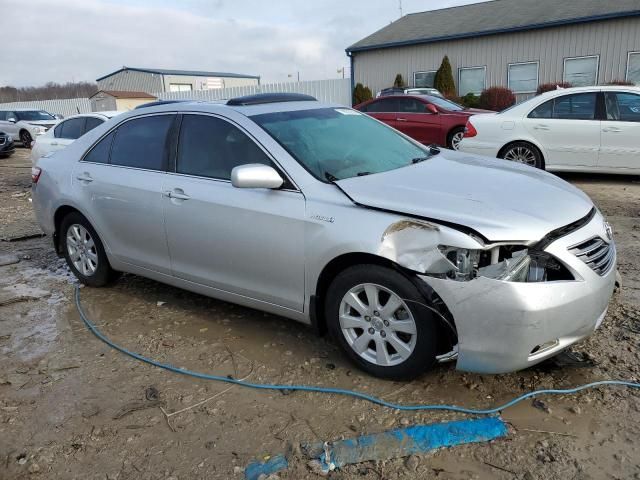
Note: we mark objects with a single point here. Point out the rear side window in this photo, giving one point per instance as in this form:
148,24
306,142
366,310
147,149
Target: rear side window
100,151
3,115
578,106
72,128
212,147
383,105
142,143
92,122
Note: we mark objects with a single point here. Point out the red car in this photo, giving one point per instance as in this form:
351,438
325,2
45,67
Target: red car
425,118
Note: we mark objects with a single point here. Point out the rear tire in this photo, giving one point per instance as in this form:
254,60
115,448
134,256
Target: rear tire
84,252
454,138
388,334
523,152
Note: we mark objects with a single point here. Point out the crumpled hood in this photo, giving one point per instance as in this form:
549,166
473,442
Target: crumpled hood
501,200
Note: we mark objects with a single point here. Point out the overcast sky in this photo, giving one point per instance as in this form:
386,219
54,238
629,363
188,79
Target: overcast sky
72,40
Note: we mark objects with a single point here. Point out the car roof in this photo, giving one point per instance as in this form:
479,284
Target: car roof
604,88
105,114
23,109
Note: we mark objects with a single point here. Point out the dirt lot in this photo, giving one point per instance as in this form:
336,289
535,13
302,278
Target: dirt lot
71,407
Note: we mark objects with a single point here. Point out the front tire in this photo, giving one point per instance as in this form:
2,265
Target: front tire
522,152
375,315
25,138
84,252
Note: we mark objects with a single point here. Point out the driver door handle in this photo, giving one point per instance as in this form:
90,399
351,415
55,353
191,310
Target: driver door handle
401,119
85,177
176,194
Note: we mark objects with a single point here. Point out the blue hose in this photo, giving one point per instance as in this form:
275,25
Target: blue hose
338,391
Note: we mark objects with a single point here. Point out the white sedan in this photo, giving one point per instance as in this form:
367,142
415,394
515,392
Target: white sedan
67,131
589,129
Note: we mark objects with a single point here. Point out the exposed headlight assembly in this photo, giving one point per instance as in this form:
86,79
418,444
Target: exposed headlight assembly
513,263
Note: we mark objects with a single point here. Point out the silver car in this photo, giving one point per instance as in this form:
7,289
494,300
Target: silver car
407,255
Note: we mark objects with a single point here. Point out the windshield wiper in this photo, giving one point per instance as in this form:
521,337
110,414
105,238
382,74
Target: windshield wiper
330,177
433,150
362,174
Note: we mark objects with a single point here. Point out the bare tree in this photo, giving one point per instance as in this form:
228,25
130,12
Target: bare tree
49,91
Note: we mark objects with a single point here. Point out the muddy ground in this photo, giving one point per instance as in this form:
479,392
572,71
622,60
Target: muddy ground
71,407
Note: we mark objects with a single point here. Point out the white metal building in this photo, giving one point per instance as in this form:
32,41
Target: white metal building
158,80
514,43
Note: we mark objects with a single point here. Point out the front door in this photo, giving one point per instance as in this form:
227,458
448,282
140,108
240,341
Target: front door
568,129
417,122
621,132
8,125
248,242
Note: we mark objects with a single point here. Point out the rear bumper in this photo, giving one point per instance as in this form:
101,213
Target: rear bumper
507,326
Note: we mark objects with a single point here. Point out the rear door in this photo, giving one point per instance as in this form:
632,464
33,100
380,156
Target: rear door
247,241
568,129
621,131
416,121
384,109
119,185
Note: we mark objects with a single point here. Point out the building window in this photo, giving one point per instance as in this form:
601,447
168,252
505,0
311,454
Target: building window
633,68
471,80
179,87
523,77
424,79
581,71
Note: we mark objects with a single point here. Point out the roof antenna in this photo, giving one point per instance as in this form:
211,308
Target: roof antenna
400,7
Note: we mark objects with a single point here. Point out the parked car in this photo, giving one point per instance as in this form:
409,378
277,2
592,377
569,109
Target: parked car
425,118
25,124
316,212
67,131
409,91
7,146
589,129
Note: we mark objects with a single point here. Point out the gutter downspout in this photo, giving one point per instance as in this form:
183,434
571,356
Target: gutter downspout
351,68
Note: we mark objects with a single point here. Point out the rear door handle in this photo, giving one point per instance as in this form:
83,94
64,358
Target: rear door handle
541,127
85,177
176,194
401,119
611,129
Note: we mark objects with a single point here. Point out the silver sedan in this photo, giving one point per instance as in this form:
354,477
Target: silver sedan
407,255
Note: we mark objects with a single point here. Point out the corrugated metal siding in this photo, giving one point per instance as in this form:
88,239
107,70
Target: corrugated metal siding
611,39
132,81
333,91
66,107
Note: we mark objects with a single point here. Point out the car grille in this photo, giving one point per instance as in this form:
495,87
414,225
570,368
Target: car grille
596,253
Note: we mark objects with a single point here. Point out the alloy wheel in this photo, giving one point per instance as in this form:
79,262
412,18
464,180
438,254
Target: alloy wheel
82,250
25,138
521,154
377,324
456,139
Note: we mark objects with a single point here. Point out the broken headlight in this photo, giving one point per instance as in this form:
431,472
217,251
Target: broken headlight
510,263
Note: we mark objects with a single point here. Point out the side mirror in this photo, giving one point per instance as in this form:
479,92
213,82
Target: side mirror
255,175
58,116
432,108
12,120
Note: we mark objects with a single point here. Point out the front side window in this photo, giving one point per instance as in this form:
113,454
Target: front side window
34,115
471,80
71,129
212,147
100,151
444,103
337,143
581,71
633,68
623,107
383,105
141,142
424,79
578,106
410,105
523,77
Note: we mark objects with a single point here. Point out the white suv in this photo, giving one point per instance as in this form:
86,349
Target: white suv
25,124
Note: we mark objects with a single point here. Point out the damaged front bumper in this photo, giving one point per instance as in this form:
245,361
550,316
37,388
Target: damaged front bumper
504,326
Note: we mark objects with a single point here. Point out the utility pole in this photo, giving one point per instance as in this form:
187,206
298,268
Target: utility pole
400,7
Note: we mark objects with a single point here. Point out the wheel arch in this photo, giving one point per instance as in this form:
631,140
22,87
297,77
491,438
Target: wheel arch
451,131
61,212
344,261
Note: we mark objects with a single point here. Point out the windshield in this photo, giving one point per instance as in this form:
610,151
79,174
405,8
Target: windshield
444,103
337,143
34,115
